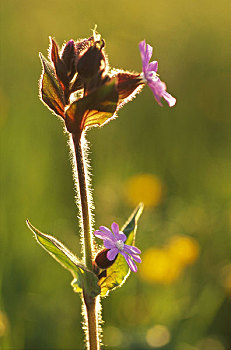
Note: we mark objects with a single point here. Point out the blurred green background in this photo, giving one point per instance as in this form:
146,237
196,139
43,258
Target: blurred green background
177,160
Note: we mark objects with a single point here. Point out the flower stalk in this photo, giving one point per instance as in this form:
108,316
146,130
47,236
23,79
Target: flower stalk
78,86
84,200
90,303
92,324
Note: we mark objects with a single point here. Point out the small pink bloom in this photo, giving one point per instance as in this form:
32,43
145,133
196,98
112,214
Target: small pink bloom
150,75
114,241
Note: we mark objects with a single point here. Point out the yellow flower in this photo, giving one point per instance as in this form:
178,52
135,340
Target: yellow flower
183,249
158,266
145,188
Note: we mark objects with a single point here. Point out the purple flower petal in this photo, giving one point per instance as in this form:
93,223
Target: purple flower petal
158,88
136,258
169,98
146,53
109,244
108,232
130,262
114,241
149,74
142,48
131,249
122,236
153,66
115,227
105,229
111,254
142,52
115,230
101,234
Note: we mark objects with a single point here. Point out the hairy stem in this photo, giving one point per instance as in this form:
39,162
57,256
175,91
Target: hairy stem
84,201
92,323
90,303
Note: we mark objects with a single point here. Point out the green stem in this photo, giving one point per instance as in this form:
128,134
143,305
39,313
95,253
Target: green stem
90,303
84,201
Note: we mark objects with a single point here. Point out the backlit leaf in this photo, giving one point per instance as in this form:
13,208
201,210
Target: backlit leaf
119,271
51,91
94,109
60,67
83,278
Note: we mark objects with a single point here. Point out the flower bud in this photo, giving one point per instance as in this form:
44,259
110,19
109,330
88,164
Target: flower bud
102,261
92,62
68,57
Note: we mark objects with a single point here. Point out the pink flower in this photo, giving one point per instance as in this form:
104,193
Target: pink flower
150,75
114,241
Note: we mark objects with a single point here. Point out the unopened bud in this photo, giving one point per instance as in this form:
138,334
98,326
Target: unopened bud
69,57
92,62
102,261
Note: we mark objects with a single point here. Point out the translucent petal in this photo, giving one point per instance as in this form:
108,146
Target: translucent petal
153,66
169,98
130,262
122,236
111,254
142,50
109,244
131,249
146,53
102,235
115,230
136,258
108,232
157,90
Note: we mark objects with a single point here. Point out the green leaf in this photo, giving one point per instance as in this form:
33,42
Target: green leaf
119,271
51,91
94,109
83,278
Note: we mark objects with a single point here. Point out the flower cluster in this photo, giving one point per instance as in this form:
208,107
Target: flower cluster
78,85
114,242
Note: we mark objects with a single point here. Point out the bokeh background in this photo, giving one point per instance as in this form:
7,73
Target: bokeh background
178,161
